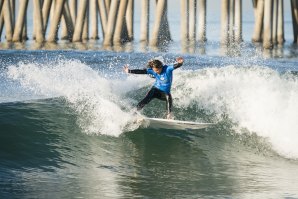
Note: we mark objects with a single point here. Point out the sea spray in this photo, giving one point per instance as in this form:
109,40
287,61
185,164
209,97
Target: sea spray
99,108
256,98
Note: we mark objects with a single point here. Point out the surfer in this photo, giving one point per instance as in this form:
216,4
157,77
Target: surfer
161,89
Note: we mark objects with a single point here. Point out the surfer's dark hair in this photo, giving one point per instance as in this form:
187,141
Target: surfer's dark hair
155,64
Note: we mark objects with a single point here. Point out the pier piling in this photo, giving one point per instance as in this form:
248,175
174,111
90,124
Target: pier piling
129,19
112,17
192,20
238,21
267,42
6,8
202,6
280,23
294,9
145,21
258,27
38,22
224,22
72,18
77,36
20,22
103,16
120,23
94,19
56,20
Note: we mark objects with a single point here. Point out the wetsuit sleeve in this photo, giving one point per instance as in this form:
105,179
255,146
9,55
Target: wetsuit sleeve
138,71
150,72
177,65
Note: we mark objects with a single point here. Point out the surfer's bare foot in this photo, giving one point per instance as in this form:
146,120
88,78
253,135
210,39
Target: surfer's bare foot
170,116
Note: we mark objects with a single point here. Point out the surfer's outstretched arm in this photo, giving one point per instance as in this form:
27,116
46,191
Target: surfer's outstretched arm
134,71
179,62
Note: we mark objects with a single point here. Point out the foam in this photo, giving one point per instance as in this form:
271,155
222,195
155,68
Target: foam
257,98
94,98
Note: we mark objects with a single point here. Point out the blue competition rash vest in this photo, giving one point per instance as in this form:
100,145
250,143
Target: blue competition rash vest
164,79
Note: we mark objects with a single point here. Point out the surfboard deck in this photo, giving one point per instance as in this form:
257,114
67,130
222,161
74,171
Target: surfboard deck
159,123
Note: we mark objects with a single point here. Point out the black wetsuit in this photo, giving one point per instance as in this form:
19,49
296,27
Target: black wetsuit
162,93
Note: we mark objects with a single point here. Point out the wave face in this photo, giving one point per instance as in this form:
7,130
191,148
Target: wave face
254,98
68,128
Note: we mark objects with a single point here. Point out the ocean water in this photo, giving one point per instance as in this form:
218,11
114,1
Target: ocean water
67,127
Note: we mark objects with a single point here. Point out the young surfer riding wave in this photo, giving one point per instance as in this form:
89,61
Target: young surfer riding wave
161,89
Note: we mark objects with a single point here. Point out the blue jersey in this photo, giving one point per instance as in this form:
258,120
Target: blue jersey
164,79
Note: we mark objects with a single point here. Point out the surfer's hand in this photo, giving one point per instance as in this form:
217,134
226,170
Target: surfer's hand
180,60
125,68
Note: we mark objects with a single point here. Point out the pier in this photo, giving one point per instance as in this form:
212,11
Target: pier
80,20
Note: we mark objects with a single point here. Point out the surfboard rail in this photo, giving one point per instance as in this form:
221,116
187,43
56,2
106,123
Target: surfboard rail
159,123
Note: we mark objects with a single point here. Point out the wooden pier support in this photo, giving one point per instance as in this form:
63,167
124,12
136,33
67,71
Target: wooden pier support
78,31
1,5
56,20
202,21
184,20
85,34
129,19
231,24
111,23
13,12
145,21
38,21
73,4
116,20
161,32
103,16
238,21
280,23
94,19
18,31
46,13
24,34
231,20
274,21
64,34
294,9
107,6
1,18
68,21
189,9
6,8
267,42
120,22
224,22
269,25
192,20
259,18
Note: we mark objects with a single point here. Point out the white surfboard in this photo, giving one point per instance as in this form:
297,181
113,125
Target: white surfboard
158,123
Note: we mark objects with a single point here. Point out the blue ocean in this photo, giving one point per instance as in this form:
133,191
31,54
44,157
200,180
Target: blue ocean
68,130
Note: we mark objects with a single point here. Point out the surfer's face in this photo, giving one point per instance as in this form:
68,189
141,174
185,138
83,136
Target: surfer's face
157,70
